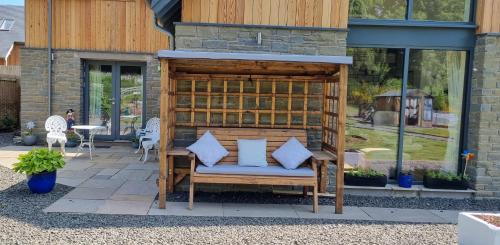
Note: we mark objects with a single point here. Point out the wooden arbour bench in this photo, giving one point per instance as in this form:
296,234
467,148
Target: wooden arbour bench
226,171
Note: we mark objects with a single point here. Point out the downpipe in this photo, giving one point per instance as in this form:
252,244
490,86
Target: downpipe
49,50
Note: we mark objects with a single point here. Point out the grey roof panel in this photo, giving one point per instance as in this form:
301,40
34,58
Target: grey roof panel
257,57
16,34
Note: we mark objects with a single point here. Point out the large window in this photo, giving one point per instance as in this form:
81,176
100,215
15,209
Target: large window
433,10
432,109
373,105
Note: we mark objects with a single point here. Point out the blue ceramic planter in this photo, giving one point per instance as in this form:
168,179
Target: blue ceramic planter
43,182
405,180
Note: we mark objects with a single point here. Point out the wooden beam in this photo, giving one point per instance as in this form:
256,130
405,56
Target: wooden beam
164,113
342,107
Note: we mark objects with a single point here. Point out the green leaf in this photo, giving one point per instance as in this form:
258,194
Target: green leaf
39,160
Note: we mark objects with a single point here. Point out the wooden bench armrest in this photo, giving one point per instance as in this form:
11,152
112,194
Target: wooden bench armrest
319,156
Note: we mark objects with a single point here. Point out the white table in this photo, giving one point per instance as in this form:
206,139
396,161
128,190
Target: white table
92,131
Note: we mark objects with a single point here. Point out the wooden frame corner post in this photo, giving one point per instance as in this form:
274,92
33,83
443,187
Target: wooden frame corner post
342,107
164,128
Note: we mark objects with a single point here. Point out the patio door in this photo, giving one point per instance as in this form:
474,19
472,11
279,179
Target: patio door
114,98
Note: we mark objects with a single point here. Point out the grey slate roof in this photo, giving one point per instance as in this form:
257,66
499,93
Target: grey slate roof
16,34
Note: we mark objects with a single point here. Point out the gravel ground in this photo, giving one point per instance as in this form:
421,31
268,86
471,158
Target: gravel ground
23,222
359,201
6,139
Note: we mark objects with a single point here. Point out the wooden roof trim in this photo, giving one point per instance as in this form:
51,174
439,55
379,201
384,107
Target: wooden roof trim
320,59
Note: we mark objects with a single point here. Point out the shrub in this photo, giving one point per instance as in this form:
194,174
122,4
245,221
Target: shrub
436,174
366,173
38,161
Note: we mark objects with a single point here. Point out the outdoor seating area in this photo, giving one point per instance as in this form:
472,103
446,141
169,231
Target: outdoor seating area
273,85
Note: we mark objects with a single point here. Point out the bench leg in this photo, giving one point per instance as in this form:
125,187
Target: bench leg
315,199
191,195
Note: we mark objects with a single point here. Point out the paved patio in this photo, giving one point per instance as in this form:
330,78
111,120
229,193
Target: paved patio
116,182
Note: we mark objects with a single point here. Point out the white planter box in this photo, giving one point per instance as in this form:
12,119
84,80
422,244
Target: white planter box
473,230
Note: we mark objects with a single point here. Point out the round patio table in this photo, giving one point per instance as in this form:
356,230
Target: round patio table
92,131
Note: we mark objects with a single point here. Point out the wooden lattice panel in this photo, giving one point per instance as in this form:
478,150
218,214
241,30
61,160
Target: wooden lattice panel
262,103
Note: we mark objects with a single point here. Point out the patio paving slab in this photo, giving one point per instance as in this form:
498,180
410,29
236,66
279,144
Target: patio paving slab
90,193
132,187
328,212
75,206
77,165
125,207
123,197
403,215
103,183
109,171
73,182
181,209
451,216
8,162
258,210
143,166
133,174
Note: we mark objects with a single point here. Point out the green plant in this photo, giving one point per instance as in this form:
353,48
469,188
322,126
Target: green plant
365,173
436,174
29,128
71,136
8,123
39,160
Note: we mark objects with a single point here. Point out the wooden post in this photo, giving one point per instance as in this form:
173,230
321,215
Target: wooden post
164,111
342,107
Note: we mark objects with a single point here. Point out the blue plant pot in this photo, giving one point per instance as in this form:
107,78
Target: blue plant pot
42,182
405,180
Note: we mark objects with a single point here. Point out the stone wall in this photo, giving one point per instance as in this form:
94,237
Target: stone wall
484,117
67,82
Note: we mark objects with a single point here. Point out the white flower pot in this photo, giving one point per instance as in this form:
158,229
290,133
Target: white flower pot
473,230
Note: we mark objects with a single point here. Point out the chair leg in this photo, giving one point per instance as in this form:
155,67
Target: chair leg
315,199
63,149
145,155
191,195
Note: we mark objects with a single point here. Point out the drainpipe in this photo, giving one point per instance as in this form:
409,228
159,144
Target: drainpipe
49,49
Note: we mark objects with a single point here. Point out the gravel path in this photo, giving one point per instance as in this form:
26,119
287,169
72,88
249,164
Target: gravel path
23,222
6,139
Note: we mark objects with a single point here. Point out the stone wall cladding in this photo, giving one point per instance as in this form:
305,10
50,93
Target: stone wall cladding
484,117
67,83
243,39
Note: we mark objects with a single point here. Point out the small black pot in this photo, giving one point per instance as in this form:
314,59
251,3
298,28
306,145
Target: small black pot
135,145
434,183
71,144
377,181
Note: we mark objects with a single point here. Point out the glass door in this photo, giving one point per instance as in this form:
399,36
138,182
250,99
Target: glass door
115,98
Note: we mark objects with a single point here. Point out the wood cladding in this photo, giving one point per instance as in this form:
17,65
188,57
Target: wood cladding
96,25
309,13
487,18
14,57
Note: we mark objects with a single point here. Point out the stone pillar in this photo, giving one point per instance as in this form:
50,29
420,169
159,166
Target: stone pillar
484,117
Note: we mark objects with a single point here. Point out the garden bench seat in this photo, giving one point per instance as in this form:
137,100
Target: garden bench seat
227,171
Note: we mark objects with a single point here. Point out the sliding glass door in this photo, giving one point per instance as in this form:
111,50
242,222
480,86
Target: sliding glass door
115,98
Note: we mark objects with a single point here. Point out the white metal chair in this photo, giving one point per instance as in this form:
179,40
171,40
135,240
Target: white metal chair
56,126
149,137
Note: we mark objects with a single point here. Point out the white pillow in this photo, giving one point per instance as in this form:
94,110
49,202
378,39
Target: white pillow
252,153
291,154
208,149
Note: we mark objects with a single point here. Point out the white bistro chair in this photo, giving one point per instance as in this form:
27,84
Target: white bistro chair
56,126
149,137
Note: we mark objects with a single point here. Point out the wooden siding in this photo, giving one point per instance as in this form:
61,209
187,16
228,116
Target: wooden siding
97,25
14,57
310,13
488,19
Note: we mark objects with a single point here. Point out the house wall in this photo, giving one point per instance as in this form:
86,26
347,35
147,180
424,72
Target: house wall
97,25
312,13
487,17
484,117
67,90
14,57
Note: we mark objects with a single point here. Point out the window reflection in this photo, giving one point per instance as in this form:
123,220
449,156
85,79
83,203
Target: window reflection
377,9
449,10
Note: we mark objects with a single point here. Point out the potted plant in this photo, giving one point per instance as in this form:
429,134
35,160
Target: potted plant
40,166
135,142
365,177
29,138
405,179
478,228
72,138
436,179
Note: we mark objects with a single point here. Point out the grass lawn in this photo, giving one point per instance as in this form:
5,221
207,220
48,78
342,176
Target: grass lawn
416,148
442,132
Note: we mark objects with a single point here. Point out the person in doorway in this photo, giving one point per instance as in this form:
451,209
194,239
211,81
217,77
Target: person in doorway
70,119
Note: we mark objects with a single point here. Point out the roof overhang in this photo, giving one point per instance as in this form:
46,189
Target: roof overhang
190,62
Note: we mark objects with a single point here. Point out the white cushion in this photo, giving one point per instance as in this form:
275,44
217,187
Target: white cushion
252,153
208,149
291,154
266,171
